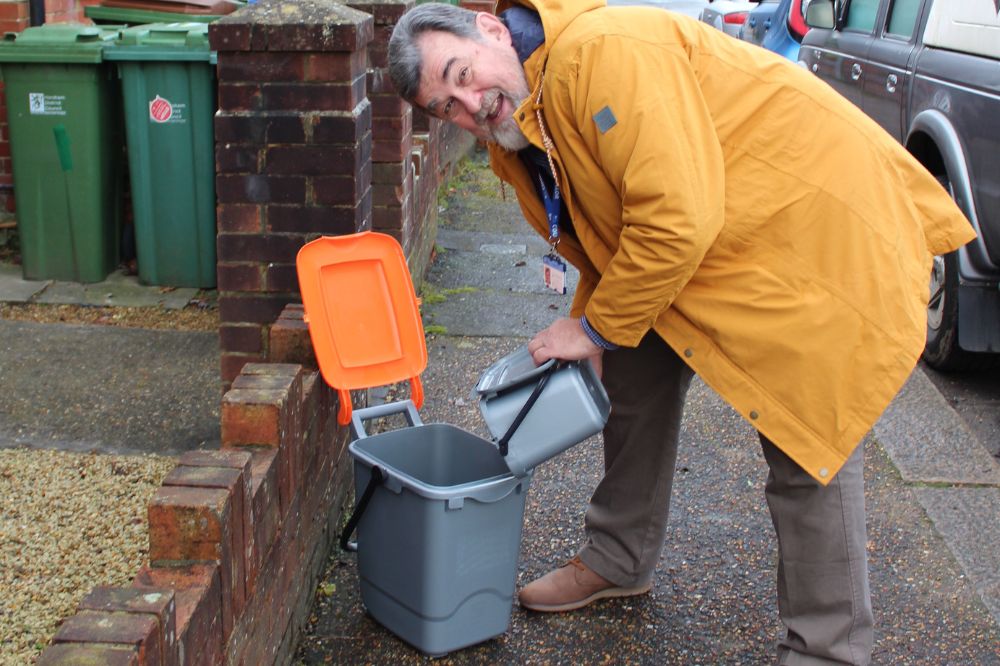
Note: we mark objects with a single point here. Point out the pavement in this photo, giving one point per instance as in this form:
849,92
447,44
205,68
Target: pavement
932,488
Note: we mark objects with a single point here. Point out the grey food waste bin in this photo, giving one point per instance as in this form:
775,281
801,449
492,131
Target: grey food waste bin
438,509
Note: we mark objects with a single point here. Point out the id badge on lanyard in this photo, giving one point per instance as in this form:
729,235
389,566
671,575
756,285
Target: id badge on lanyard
553,266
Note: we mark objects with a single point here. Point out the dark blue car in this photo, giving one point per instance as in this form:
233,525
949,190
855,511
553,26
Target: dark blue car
777,25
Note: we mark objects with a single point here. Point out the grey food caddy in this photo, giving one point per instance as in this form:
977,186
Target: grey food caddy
438,509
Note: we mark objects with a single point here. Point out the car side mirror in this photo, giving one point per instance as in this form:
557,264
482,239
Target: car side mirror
820,14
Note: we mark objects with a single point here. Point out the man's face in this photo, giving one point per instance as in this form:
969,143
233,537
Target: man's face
475,84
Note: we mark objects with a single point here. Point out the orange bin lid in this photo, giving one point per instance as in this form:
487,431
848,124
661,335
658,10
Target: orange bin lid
363,315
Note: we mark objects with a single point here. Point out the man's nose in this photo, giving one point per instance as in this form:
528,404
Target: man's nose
470,100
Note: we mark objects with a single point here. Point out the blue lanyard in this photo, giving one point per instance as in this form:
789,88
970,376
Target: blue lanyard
552,206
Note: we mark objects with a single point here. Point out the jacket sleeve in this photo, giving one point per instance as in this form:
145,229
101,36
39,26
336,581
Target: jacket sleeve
637,109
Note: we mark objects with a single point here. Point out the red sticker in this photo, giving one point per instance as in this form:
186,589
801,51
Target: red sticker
160,110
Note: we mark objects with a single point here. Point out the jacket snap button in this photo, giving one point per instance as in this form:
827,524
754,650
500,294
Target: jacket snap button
823,471
521,116
689,352
754,415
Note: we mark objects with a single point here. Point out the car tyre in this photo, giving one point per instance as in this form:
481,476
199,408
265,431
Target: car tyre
941,351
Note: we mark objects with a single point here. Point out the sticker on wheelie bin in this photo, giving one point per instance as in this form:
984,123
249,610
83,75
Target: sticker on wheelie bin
162,110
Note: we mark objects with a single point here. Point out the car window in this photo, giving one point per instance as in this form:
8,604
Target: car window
903,18
861,15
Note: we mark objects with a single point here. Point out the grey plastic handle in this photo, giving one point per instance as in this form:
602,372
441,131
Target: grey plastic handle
404,407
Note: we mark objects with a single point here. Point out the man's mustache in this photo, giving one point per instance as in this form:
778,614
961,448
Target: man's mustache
489,99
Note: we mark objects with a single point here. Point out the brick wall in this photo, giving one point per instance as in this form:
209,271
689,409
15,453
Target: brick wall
238,536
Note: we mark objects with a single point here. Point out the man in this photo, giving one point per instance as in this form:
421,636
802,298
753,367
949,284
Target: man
731,215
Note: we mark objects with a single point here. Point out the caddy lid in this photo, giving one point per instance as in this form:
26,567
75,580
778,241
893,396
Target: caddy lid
362,312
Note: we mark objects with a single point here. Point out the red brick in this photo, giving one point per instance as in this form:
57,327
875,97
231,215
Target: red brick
198,595
392,150
188,525
231,364
307,96
314,160
75,654
281,278
326,220
290,343
384,13
252,417
389,172
237,158
253,188
266,509
388,105
240,96
13,10
240,277
236,482
246,309
334,127
247,338
385,128
238,217
345,30
159,603
264,248
335,66
140,632
342,190
259,128
229,35
13,25
261,66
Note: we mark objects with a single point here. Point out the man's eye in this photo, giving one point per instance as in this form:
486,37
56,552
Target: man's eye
446,111
463,74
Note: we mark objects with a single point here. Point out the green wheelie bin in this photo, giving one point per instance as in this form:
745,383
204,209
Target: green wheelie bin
64,116
168,86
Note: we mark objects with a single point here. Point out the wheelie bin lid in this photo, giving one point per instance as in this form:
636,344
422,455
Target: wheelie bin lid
362,312
57,42
187,41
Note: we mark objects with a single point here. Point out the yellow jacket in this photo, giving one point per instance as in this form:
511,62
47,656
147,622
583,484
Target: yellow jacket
773,235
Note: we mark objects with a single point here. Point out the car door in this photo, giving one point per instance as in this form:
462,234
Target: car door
889,75
840,59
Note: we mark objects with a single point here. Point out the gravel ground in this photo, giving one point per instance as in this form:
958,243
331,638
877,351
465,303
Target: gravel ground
68,522
71,521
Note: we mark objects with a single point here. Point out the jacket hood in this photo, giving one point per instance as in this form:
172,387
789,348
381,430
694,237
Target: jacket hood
556,14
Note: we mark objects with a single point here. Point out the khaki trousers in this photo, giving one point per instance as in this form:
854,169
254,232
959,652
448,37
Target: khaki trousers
822,578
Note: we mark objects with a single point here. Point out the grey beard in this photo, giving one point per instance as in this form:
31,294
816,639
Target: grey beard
507,134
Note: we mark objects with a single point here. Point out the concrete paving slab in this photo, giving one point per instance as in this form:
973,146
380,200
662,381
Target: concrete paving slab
929,442
969,521
14,288
117,290
514,272
108,389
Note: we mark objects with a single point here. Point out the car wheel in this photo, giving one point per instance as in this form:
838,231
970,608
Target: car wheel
941,350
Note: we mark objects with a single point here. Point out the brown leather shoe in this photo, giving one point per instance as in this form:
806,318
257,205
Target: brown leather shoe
572,586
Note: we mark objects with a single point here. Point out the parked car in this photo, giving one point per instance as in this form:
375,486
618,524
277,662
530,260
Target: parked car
690,8
728,15
777,25
927,71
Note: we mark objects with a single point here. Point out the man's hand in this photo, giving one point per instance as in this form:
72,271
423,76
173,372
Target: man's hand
566,341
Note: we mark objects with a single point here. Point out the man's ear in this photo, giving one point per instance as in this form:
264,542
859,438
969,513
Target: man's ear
492,27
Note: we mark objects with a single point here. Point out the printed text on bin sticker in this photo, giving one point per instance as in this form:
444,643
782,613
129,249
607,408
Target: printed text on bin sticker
40,104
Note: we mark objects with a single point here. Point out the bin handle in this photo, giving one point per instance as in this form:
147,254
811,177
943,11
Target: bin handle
404,407
504,441
376,478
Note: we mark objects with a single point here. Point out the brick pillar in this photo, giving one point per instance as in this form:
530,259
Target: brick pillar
293,154
392,131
